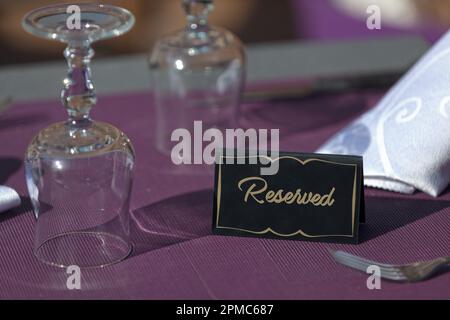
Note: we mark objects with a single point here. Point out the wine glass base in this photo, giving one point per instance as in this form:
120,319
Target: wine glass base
97,22
83,249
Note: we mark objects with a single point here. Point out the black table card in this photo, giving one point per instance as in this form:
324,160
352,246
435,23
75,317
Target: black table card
312,197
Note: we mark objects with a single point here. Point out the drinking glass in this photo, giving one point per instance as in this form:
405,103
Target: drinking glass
197,74
79,171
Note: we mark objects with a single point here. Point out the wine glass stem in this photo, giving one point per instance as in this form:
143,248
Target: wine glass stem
78,94
197,14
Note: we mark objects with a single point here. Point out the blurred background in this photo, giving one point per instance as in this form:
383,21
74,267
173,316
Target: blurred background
252,20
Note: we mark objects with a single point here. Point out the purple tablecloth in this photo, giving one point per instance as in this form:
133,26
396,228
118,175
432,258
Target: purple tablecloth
175,254
323,20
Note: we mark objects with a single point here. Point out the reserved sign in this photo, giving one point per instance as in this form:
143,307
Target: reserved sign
311,197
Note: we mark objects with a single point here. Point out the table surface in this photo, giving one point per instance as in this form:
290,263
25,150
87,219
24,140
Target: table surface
175,255
287,60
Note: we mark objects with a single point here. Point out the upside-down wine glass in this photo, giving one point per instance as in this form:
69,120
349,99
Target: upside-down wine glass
79,171
197,74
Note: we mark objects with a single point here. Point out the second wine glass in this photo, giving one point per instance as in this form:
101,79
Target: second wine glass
197,74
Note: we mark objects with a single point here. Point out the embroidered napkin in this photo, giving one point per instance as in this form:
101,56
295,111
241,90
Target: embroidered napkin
8,198
405,139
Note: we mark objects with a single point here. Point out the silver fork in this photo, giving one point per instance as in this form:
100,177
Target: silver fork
412,272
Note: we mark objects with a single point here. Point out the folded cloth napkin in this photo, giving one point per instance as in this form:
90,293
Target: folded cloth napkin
405,139
8,198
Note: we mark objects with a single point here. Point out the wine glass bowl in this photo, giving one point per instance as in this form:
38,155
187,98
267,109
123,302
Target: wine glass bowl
79,171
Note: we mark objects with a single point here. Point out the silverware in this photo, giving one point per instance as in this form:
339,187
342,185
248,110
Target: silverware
412,272
5,104
324,86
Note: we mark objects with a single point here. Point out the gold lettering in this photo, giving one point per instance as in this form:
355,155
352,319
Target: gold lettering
295,197
327,199
270,196
253,186
288,196
305,198
279,196
315,199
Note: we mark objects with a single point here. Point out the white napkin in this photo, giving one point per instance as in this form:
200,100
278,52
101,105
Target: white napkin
405,139
8,198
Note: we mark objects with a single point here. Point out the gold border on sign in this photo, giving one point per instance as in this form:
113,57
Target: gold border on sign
301,232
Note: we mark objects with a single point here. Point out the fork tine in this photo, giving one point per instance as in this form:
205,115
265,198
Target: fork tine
340,255
353,264
383,266
387,271
399,276
369,262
